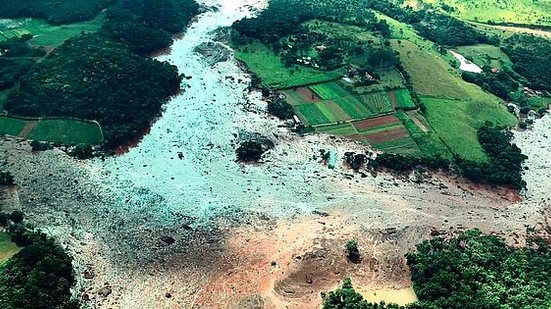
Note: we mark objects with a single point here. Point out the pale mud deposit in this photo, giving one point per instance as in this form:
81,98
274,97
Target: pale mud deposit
177,223
466,65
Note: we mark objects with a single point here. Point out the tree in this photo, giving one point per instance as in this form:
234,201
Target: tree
352,251
249,151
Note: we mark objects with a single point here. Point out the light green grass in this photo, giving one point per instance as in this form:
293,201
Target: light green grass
428,143
403,98
510,11
7,247
11,126
457,122
404,146
45,34
260,59
353,107
484,54
377,103
328,91
67,131
311,114
344,129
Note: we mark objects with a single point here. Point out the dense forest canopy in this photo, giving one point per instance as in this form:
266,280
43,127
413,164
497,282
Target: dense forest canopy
531,58
92,77
54,11
148,25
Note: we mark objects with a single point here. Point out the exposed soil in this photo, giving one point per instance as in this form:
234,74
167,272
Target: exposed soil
386,136
375,122
417,121
29,126
308,95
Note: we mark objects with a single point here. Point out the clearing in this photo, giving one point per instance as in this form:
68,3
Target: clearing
7,247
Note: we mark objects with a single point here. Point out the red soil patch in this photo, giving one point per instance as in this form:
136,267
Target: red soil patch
392,98
386,136
307,95
375,122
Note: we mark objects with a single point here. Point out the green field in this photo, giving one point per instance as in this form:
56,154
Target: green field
486,55
403,99
64,131
260,59
388,79
456,123
67,132
510,11
7,247
11,126
353,107
329,91
377,103
344,129
44,33
404,146
428,142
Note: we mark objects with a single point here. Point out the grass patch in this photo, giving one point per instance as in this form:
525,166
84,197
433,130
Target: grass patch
388,79
403,98
11,126
344,129
376,103
328,91
428,143
403,146
260,59
510,11
67,131
457,122
46,34
484,54
7,247
311,114
354,108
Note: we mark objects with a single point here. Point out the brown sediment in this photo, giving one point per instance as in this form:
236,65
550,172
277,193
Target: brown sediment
375,122
386,136
307,95
133,142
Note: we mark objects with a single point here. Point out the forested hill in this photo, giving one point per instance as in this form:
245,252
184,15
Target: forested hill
106,76
54,11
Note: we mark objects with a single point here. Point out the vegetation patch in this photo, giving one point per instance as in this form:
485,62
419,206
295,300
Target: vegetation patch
353,107
377,103
11,126
401,99
457,123
67,132
344,129
329,91
7,247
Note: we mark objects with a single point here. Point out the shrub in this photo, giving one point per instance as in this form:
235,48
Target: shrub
352,251
249,151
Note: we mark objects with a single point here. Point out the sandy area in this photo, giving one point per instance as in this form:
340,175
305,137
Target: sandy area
176,223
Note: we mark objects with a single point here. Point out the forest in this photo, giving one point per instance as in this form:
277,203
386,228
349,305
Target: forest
110,84
17,58
55,12
147,25
530,57
468,271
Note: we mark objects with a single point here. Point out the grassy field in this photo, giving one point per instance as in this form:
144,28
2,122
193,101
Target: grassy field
404,146
11,126
403,98
511,11
44,33
328,91
67,132
428,142
456,123
483,54
377,103
64,131
344,129
260,59
7,248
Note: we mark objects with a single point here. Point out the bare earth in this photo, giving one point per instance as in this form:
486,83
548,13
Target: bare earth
148,229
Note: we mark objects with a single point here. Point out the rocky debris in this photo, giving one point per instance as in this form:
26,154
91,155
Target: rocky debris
168,295
105,291
213,52
88,274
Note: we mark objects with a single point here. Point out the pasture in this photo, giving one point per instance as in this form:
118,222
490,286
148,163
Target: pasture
46,35
457,122
260,59
58,130
498,11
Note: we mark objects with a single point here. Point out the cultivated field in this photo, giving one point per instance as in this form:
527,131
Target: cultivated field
401,99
